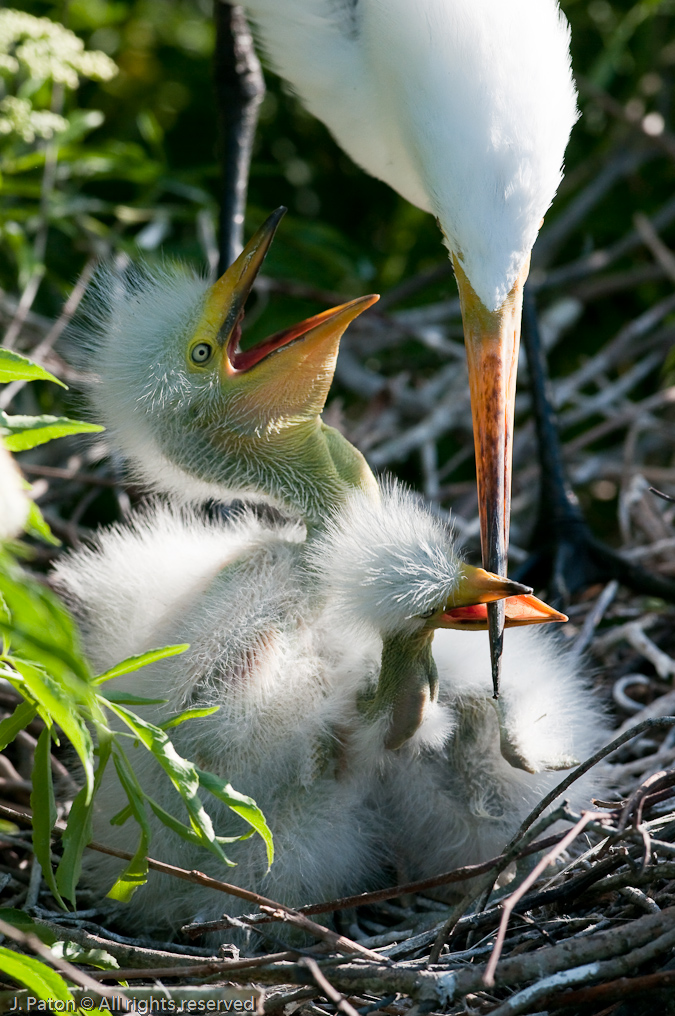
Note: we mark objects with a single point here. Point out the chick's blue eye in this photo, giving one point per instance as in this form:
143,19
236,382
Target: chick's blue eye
201,353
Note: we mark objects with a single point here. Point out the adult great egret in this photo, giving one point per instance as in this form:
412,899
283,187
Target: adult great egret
465,108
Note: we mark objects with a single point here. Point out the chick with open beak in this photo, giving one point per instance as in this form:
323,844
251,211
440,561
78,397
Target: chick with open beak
200,418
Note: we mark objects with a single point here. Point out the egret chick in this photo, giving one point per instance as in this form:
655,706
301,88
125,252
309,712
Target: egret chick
303,711
239,594
197,416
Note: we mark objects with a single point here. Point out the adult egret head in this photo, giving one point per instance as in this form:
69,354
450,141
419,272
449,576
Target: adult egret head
465,107
199,417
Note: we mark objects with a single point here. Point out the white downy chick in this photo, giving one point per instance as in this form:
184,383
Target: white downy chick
238,593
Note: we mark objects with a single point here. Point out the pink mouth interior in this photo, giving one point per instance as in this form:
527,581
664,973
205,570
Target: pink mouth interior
243,360
477,612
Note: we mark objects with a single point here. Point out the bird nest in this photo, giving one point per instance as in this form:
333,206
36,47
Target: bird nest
588,923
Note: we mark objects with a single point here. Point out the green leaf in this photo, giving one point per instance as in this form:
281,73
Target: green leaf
14,367
188,714
36,976
186,832
133,663
63,710
41,627
22,432
122,698
241,804
44,810
79,830
136,872
182,774
36,525
75,953
19,720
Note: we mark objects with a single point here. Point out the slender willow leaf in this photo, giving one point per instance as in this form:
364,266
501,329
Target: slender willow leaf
37,976
122,698
20,433
186,832
44,810
136,872
75,953
136,662
19,720
41,627
241,804
61,708
79,830
14,367
182,774
188,714
36,525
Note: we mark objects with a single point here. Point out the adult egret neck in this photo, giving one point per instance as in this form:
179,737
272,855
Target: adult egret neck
465,108
198,416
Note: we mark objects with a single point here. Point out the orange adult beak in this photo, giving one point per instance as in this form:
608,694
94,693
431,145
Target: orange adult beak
492,341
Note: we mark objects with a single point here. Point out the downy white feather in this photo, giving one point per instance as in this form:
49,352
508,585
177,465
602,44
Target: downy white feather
285,637
239,595
463,106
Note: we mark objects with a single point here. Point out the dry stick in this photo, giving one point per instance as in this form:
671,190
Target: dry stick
614,990
338,942
523,1000
56,473
620,419
196,970
602,286
612,351
512,847
32,942
331,993
594,618
438,988
515,897
463,874
125,953
659,493
636,801
594,262
651,239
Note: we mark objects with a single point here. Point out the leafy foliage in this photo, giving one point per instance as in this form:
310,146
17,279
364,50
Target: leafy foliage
41,658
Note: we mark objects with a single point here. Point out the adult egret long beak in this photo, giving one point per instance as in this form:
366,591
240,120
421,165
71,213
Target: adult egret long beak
492,341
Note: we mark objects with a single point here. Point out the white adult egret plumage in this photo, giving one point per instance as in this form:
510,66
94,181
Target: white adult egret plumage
465,108
305,718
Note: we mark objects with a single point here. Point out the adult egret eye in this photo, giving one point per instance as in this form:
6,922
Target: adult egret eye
201,353
428,614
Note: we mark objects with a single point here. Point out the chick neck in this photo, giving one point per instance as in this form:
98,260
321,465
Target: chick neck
408,682
308,468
